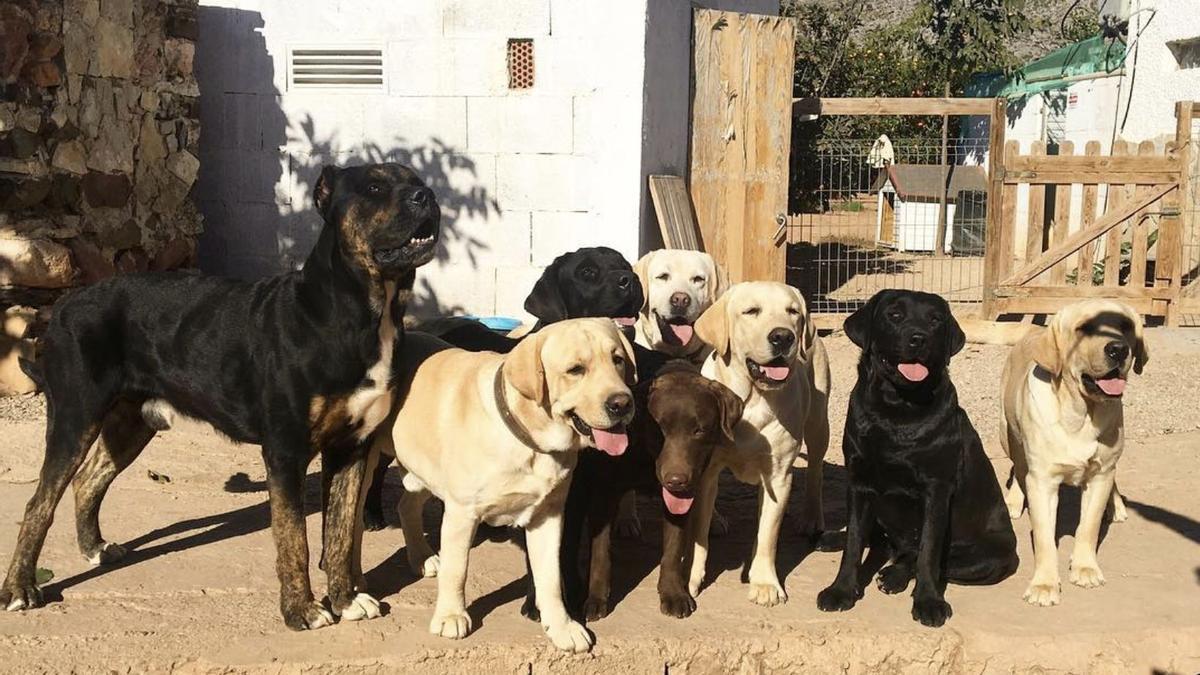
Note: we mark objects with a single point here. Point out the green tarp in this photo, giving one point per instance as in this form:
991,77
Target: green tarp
1094,55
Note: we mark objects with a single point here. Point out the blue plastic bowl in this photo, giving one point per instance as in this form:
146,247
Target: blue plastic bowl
500,323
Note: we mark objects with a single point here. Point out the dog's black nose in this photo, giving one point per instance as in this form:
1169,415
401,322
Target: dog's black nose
421,196
781,339
916,340
623,281
1117,351
676,482
618,405
680,301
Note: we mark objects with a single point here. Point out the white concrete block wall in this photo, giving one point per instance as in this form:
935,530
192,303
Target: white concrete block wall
522,176
1154,80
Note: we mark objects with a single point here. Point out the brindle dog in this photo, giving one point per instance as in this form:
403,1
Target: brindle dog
300,363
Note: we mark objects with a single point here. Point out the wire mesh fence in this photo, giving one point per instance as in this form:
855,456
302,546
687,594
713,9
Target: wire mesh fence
869,219
1191,236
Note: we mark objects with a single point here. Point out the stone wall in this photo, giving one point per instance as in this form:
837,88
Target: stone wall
99,133
99,136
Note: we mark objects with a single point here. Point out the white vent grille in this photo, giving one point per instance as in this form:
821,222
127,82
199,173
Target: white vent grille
360,68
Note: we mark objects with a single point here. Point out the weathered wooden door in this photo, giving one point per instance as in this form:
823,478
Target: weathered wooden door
742,68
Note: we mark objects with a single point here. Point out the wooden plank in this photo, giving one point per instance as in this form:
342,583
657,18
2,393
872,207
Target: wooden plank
1052,305
1117,196
673,208
892,106
995,253
1068,176
1061,223
1150,162
1008,219
1087,255
1035,228
1074,242
1141,230
1168,270
1081,292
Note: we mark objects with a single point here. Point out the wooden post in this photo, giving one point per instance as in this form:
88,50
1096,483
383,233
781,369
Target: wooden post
1169,268
995,256
1117,194
1037,210
1062,217
1087,257
1140,233
939,238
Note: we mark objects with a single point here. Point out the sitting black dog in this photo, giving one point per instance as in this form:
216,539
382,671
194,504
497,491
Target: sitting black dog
588,282
919,482
299,363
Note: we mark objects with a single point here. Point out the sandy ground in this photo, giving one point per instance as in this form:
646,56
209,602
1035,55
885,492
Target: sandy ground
198,593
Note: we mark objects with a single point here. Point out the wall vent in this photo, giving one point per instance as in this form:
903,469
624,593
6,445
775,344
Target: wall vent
358,67
520,64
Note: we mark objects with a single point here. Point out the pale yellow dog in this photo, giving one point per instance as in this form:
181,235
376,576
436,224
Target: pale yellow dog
1063,423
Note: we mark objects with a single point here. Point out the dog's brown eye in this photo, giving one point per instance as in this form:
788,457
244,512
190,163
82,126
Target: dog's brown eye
753,311
697,280
374,189
793,311
895,316
663,277
698,432
618,360
577,370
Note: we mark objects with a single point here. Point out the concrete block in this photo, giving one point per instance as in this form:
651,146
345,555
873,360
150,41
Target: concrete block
450,287
388,19
557,232
392,122
513,18
513,285
448,67
487,240
526,124
323,124
543,182
563,66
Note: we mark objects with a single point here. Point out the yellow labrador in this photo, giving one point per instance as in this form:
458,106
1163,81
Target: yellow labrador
496,438
678,287
766,351
1063,424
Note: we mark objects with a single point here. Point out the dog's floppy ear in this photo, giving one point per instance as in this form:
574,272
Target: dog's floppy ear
323,190
956,339
642,269
1141,353
630,358
731,408
804,325
713,326
858,324
546,301
1045,348
718,281
524,371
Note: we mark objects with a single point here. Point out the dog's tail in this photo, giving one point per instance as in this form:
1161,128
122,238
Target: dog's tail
33,371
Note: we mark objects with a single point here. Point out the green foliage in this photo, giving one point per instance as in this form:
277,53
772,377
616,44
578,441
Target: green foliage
970,36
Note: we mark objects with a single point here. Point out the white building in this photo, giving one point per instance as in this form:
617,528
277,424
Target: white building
529,160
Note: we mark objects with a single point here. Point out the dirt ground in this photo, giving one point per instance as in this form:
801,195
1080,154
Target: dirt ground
198,592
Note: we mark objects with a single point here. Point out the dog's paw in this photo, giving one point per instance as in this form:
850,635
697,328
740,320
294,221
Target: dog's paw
893,579
836,599
628,527
373,520
16,597
455,624
529,609
767,594
107,554
1042,594
719,527
1086,576
307,616
570,637
362,606
595,609
425,565
1116,511
931,612
677,604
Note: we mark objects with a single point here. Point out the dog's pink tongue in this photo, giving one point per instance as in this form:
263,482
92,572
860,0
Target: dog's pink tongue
676,504
611,442
1113,386
625,320
682,331
777,373
914,372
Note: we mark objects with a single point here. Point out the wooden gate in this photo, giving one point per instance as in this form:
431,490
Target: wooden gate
741,138
1073,226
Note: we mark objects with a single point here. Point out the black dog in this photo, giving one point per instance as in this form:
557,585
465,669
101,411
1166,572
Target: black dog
682,417
919,481
298,363
588,282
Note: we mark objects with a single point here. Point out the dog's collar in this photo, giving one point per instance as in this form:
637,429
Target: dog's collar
506,413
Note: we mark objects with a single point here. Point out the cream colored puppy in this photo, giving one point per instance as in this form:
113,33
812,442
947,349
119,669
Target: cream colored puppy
1063,423
495,438
678,287
766,351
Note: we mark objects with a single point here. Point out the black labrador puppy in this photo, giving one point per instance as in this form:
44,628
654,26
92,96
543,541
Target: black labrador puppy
919,482
299,363
588,282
